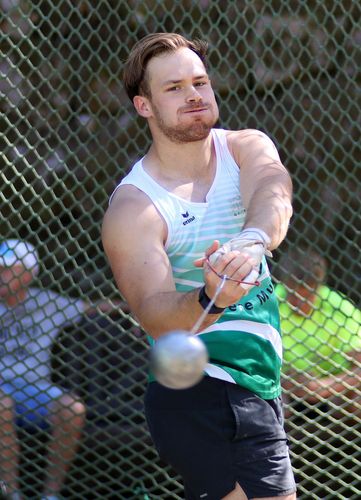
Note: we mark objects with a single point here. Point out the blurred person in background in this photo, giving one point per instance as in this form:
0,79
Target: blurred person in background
30,320
321,333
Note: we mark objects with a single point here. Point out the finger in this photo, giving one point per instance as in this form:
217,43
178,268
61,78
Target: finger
213,248
234,264
199,262
239,272
250,280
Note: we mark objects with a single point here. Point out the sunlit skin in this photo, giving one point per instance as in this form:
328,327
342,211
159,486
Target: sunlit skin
182,105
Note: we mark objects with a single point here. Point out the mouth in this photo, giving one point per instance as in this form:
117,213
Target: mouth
196,110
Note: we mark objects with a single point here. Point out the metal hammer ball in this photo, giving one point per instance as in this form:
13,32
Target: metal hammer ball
178,359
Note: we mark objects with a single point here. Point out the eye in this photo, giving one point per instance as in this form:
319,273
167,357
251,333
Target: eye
174,88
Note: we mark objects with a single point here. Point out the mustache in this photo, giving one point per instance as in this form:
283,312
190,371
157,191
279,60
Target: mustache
192,107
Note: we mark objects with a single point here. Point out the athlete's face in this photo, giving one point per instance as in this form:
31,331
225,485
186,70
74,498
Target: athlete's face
182,104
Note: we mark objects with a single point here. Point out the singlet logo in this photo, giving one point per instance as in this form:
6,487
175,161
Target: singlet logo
237,207
188,218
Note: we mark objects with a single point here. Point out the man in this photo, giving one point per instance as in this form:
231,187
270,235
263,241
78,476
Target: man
321,333
321,336
196,188
30,319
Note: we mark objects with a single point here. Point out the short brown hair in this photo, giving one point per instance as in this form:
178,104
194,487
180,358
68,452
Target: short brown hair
135,82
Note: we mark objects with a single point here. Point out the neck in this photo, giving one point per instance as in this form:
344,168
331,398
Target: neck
186,162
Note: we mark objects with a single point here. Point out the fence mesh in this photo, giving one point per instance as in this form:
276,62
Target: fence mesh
68,134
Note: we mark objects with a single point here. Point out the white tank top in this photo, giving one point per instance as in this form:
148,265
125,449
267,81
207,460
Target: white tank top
244,344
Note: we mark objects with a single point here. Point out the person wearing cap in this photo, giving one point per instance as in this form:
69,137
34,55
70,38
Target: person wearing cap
30,319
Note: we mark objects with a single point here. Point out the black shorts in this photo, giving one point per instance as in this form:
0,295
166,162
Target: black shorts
216,434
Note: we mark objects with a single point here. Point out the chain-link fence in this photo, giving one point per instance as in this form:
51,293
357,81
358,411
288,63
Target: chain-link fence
68,134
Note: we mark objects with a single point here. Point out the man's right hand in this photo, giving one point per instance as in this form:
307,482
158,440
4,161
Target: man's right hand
234,264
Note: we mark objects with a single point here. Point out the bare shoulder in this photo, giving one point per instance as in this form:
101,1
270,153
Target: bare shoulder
131,210
126,197
247,135
131,218
133,235
249,143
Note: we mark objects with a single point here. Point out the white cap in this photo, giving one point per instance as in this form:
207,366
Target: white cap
14,252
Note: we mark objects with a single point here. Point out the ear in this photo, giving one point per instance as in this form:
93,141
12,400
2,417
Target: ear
143,106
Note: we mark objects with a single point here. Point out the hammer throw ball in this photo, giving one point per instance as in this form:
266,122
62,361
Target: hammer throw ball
178,359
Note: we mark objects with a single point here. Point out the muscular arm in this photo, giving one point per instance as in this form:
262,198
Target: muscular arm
266,186
133,236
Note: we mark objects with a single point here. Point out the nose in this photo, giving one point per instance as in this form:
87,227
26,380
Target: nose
193,95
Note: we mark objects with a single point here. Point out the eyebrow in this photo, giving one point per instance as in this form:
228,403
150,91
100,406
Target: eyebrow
174,82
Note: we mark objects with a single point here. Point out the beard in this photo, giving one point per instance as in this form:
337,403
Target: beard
198,130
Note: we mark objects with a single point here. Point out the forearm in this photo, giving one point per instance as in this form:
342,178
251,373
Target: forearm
169,311
270,208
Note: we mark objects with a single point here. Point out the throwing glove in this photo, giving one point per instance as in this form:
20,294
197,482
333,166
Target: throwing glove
253,242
